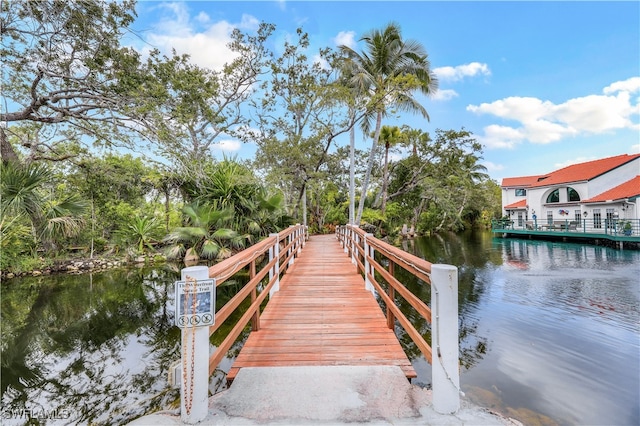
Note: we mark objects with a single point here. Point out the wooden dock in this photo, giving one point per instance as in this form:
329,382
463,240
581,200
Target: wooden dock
322,316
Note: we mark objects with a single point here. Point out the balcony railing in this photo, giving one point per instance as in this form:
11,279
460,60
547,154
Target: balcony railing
612,227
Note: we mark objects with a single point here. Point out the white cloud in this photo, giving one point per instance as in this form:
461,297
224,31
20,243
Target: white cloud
204,41
493,167
249,22
459,72
346,38
202,18
631,85
228,145
635,148
496,136
324,64
444,95
576,160
544,122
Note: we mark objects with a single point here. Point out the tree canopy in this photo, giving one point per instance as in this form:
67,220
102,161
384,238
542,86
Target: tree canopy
105,148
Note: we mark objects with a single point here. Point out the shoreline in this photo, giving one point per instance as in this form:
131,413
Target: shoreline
84,265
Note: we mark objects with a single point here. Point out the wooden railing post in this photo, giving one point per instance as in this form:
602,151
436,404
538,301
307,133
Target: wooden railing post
445,374
355,244
299,237
391,319
291,248
344,237
274,253
255,320
368,267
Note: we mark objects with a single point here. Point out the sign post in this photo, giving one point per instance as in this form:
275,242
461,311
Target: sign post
195,312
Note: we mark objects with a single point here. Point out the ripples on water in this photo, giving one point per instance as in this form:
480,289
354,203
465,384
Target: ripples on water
551,331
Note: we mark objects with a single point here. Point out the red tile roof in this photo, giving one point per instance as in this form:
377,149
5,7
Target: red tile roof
629,189
517,204
584,171
520,181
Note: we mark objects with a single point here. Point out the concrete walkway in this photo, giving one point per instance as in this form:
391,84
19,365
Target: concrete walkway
328,395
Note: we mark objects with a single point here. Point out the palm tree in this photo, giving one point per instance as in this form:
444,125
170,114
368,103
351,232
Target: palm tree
390,136
388,72
21,193
207,234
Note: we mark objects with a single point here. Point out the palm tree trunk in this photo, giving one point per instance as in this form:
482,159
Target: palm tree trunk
352,173
385,171
367,176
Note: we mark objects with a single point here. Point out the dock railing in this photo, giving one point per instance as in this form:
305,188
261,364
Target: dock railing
613,227
369,254
282,249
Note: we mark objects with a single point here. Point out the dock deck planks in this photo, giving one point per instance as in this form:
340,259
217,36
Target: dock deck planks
322,316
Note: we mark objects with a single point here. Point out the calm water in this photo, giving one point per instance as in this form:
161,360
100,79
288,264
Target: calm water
550,334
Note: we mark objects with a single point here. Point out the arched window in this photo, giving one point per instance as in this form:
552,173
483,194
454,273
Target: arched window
572,194
554,197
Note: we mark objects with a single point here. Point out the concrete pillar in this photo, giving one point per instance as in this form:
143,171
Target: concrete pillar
444,334
194,387
274,253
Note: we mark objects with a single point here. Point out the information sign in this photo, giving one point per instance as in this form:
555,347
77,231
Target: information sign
195,303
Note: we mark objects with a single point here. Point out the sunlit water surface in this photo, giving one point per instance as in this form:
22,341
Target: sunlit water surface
549,334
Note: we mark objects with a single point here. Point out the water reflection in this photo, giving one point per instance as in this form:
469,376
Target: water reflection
91,347
548,331
549,334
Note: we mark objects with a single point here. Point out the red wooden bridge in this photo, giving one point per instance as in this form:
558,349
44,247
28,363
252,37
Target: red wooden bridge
322,315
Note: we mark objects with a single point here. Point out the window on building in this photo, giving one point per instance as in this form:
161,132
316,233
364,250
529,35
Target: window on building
597,219
554,197
550,217
578,215
572,195
521,192
520,220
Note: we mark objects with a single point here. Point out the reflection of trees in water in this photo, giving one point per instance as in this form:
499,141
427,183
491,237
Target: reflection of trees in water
469,252
68,341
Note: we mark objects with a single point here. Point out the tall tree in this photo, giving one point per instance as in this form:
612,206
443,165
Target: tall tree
389,136
64,69
187,109
300,113
390,69
440,177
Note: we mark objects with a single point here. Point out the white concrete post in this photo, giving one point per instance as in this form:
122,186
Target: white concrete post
194,398
368,268
445,375
274,253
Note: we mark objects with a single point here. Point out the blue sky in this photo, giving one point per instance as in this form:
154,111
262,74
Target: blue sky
540,84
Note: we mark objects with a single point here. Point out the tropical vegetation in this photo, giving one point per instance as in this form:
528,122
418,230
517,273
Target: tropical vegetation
107,152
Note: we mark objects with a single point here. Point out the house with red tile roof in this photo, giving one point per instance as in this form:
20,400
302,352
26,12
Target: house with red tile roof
603,191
